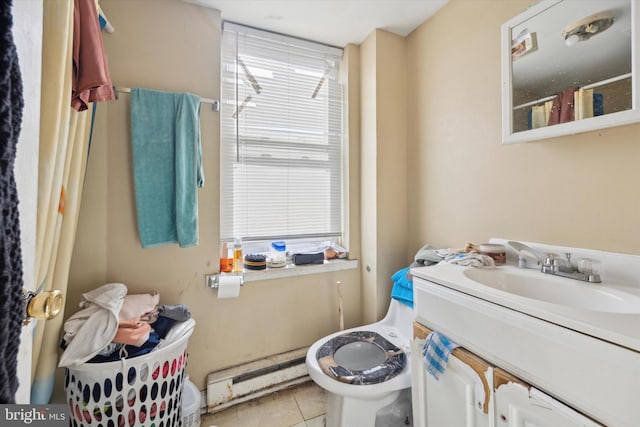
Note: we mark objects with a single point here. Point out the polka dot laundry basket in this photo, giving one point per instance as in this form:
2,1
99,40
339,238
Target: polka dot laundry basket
140,391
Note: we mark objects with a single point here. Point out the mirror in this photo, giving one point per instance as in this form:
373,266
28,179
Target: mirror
568,67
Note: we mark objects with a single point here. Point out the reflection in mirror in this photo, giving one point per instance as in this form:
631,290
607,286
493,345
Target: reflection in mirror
595,57
568,61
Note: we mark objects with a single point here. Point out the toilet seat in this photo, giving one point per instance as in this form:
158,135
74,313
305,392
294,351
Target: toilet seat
393,359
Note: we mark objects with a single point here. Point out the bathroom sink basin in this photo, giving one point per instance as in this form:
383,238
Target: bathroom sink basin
557,290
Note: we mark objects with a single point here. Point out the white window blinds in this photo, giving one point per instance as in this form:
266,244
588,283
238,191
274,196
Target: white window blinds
281,153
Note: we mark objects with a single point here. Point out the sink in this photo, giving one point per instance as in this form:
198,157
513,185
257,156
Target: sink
579,341
557,290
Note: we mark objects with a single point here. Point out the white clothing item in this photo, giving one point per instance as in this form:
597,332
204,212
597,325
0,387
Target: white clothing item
136,305
583,104
91,329
471,260
176,332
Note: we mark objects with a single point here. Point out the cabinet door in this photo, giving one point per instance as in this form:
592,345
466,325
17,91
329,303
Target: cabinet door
520,405
460,398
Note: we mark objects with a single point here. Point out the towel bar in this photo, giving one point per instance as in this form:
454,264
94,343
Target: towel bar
215,103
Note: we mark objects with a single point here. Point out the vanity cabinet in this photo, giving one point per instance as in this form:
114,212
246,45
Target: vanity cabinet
519,404
460,397
473,393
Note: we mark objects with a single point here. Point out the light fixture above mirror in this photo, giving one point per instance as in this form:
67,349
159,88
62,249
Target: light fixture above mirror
588,27
580,57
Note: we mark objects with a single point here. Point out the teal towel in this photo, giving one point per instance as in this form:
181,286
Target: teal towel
167,166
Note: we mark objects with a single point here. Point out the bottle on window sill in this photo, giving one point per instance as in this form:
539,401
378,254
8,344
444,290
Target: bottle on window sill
226,259
237,255
277,255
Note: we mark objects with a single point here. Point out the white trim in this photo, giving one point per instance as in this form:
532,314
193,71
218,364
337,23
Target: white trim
570,128
282,38
300,270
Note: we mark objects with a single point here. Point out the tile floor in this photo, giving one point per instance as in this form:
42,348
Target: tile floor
301,406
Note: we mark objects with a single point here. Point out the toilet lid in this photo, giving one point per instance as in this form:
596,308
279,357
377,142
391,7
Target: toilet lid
361,357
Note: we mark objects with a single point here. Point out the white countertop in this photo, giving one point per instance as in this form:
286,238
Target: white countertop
618,328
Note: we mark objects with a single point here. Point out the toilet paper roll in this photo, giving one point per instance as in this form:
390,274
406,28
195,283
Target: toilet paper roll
229,286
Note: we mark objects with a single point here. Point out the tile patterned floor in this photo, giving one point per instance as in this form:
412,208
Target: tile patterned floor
302,406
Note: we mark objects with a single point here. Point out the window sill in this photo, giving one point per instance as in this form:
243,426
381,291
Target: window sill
300,270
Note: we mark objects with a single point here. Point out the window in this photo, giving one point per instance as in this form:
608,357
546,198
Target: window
281,150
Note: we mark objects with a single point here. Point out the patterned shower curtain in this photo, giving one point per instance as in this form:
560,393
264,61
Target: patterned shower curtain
11,279
64,135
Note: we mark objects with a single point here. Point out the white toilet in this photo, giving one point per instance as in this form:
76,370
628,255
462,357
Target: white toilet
366,372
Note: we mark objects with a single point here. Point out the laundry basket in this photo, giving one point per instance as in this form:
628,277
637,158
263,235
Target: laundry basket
141,391
190,404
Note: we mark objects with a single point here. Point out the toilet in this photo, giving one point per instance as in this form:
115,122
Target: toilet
366,372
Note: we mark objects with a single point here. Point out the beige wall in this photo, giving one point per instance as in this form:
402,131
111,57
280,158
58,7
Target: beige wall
391,171
579,190
174,46
351,72
383,176
368,181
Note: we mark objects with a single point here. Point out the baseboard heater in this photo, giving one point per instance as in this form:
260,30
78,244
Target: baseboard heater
251,380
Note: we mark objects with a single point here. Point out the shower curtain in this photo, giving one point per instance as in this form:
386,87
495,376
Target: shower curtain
64,135
11,273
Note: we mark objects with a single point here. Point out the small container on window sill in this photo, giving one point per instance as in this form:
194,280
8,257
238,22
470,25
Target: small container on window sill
313,258
226,259
255,262
496,251
278,255
237,255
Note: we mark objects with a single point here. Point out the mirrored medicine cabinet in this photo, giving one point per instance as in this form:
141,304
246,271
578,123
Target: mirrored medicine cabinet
568,67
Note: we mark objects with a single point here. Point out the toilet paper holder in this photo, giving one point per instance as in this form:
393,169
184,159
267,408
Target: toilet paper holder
212,280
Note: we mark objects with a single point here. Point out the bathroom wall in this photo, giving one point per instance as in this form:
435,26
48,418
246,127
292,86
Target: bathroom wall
353,235
174,46
368,193
383,168
464,185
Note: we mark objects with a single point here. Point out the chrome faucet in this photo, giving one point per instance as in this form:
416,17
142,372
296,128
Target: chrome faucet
586,270
524,253
553,264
